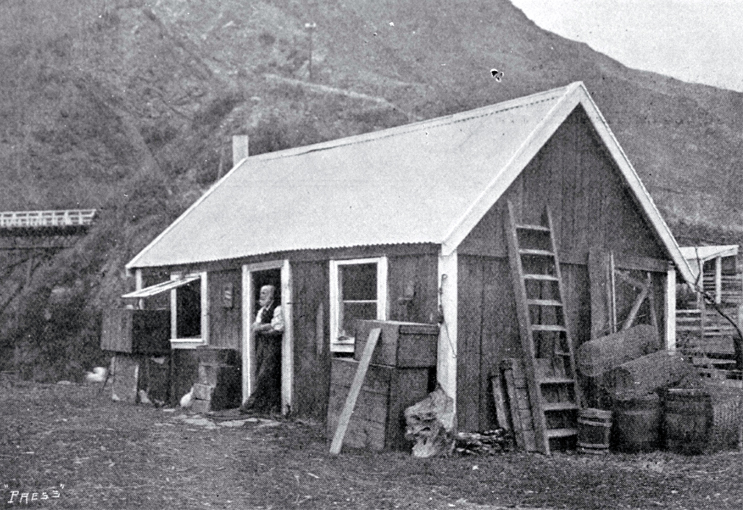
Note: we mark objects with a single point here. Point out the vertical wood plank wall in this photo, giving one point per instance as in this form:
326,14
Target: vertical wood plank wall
419,272
311,319
311,339
591,208
224,322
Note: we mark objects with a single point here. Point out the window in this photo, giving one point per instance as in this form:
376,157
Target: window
358,290
189,317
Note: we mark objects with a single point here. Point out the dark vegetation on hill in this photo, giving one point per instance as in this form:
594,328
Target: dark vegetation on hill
128,106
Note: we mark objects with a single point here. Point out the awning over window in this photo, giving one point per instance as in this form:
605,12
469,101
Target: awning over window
161,287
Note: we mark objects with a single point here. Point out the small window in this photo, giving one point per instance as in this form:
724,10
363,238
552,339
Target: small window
358,290
188,310
188,327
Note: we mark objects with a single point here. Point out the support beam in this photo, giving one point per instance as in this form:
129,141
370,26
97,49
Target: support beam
446,368
287,344
138,285
670,310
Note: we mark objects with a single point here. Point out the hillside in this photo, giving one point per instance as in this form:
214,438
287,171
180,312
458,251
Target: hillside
129,105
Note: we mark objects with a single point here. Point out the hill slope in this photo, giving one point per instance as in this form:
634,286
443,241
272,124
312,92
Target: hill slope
129,106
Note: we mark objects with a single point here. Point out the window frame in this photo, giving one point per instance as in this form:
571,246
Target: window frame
337,347
203,339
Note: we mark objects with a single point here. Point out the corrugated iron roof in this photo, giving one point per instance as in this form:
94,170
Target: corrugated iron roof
159,288
427,182
403,185
704,253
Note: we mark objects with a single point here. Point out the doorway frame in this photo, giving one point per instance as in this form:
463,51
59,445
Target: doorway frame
287,342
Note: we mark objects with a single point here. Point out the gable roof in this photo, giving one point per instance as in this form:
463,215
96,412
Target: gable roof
427,182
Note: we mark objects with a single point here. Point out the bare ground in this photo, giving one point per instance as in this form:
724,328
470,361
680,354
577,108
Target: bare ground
99,454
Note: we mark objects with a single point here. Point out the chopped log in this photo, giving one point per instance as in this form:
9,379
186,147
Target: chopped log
430,423
488,442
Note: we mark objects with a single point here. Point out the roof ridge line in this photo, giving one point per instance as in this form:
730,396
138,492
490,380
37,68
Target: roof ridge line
482,111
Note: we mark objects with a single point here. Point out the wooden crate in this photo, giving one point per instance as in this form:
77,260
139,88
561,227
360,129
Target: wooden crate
377,421
136,331
403,344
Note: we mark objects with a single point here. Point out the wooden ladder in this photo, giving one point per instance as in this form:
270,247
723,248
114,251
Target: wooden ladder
549,361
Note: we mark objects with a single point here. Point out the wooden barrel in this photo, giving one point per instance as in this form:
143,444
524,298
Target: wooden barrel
637,424
687,420
594,426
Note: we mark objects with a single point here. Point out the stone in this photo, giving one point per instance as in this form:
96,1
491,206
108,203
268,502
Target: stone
200,406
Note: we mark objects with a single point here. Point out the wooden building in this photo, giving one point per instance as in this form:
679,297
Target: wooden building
702,329
407,224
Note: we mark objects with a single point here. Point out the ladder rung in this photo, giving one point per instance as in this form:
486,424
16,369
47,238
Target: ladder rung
543,302
538,228
556,380
542,277
560,406
562,353
547,327
541,253
561,432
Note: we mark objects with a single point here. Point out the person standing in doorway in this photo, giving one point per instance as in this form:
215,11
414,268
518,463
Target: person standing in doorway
268,330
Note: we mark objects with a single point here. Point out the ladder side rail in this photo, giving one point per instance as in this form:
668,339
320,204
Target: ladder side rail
527,341
566,321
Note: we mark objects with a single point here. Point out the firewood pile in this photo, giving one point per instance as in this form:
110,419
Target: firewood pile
488,442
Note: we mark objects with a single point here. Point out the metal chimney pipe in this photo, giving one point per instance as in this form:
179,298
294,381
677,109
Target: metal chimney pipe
239,148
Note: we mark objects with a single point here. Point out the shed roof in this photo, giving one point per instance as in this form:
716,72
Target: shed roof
427,182
705,253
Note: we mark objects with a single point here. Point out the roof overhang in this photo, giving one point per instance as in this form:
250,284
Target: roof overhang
161,287
576,94
705,253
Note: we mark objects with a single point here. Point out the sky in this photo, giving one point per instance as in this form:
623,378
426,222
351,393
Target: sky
693,40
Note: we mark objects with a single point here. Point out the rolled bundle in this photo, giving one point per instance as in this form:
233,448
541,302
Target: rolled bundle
647,374
608,352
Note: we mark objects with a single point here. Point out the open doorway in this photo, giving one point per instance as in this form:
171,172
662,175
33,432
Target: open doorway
267,331
255,277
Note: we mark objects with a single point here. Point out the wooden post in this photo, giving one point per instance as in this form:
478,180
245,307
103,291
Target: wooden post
240,148
353,393
599,284
612,294
287,343
670,310
30,269
446,367
138,285
718,280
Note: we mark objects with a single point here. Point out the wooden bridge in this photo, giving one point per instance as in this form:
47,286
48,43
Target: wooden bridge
47,219
31,230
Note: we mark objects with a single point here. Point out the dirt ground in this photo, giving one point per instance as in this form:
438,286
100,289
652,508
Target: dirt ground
75,448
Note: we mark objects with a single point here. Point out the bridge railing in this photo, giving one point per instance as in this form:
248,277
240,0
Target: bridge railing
60,218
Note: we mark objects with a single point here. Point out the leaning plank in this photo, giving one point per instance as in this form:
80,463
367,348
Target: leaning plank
353,394
635,308
518,430
499,401
518,402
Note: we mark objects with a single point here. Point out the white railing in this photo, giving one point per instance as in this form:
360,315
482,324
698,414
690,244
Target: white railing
30,219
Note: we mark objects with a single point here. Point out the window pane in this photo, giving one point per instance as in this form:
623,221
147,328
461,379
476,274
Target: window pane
358,282
188,313
351,312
